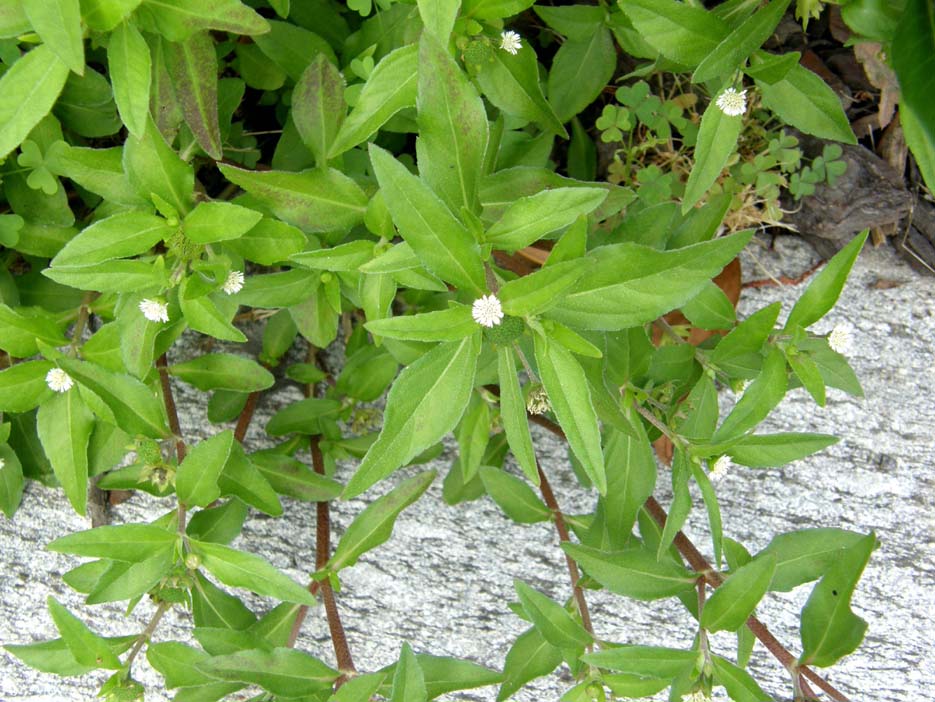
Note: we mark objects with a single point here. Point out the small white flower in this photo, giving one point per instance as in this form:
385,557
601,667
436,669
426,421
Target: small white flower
538,402
732,102
154,310
58,380
487,311
511,42
720,468
840,339
234,283
696,696
2,463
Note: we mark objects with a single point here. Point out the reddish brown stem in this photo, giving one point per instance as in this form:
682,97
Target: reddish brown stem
700,564
246,415
546,489
162,364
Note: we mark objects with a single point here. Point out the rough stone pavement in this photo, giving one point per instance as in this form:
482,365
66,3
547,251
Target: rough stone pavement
443,581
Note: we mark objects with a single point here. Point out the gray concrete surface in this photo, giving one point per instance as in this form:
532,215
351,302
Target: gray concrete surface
443,581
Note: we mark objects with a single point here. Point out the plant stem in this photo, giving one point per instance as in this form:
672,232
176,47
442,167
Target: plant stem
246,415
146,634
546,489
714,578
162,364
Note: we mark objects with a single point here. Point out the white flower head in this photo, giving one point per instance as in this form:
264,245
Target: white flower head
720,468
58,380
486,311
2,463
154,310
840,339
696,696
732,102
234,283
511,42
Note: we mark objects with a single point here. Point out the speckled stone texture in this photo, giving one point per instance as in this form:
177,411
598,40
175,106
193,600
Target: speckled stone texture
443,581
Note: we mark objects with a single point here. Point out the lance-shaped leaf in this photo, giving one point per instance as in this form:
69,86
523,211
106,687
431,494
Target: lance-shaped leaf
452,127
580,71
565,382
630,284
531,218
631,478
19,332
87,647
830,630
443,675
302,416
391,87
551,619
717,139
513,496
177,20
269,242
633,572
23,386
344,257
683,33
112,276
535,293
733,602
196,480
408,680
11,481
318,107
438,238
219,221
58,24
30,87
119,236
293,478
743,40
530,657
105,15
213,607
655,661
249,571
738,683
194,68
126,581
315,201
769,450
98,170
226,371
374,525
203,314
511,83
64,424
55,657
445,325
127,542
153,167
131,66
176,663
513,415
758,400
283,671
825,288
134,406
806,554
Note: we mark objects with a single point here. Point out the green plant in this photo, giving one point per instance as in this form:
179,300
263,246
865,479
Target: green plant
240,168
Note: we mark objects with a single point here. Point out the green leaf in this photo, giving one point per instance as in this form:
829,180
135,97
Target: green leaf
408,680
154,168
212,606
11,481
633,572
738,683
64,424
282,671
758,400
98,170
747,337
177,663
513,496
806,554
530,657
177,20
374,525
226,371
55,657
249,571
681,504
269,242
445,325
743,40
344,257
551,619
302,416
576,22
453,128
318,107
290,477
654,661
360,688
567,386
825,288
194,66
580,71
219,221
442,243
134,406
733,602
105,15
391,87
119,236
631,478
630,284
513,415
494,9
29,88
87,648
531,218
315,201
111,276
127,581
535,293
913,57
804,101
58,24
830,630
473,436
511,83
241,478
292,48
717,139
203,314
921,141
806,370
220,524
683,33
130,65
128,542
196,481
19,332
23,386
710,309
